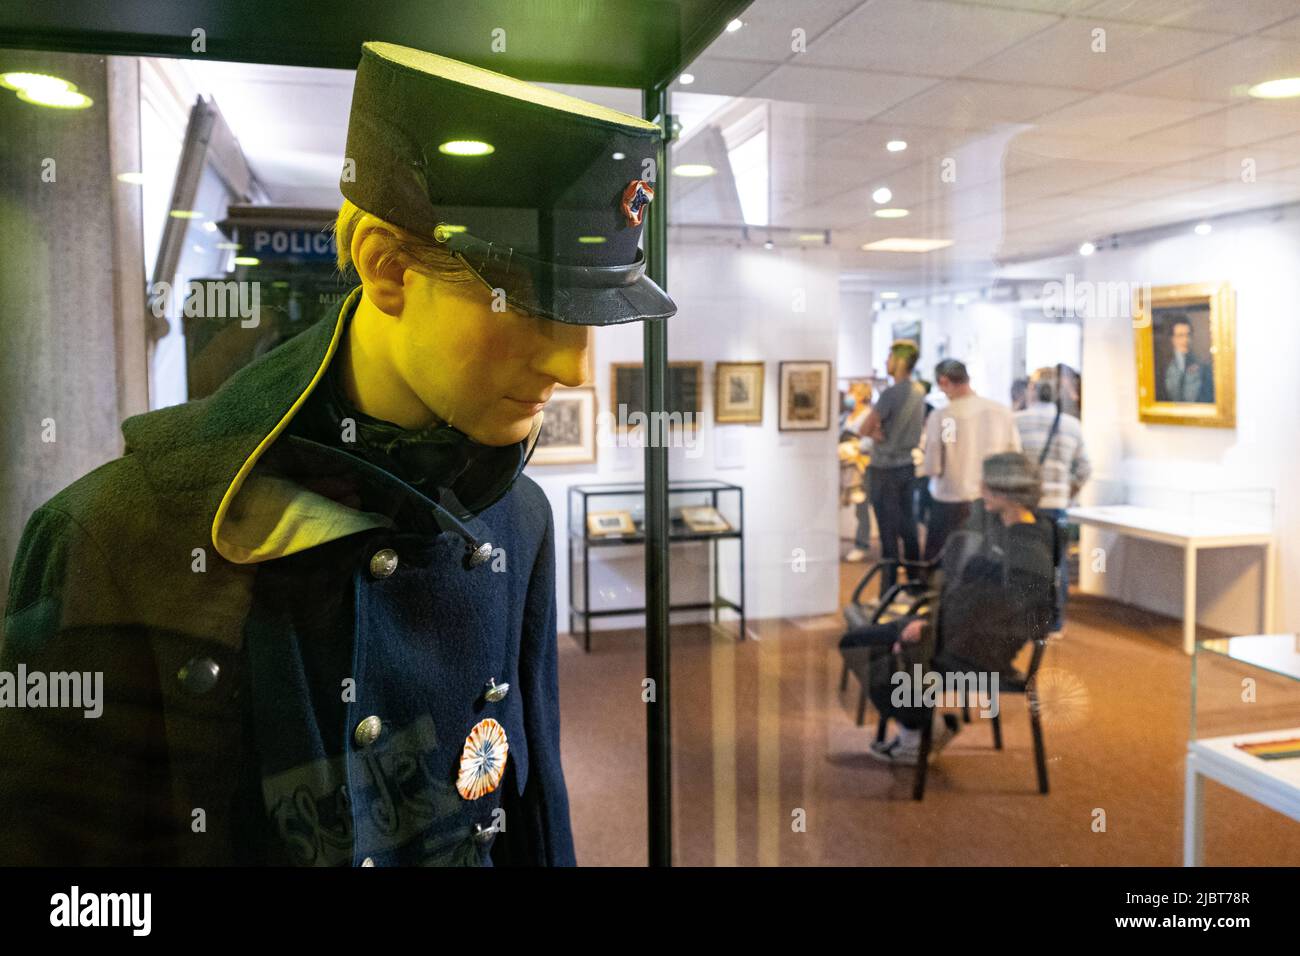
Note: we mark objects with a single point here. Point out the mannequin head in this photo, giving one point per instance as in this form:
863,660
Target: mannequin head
425,343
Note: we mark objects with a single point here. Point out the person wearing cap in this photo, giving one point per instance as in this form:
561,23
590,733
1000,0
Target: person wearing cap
322,599
996,596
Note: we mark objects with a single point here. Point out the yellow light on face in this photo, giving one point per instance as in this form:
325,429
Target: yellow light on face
890,213
466,147
694,170
59,99
1276,89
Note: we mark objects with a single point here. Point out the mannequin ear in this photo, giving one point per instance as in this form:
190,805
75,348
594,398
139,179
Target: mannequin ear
381,272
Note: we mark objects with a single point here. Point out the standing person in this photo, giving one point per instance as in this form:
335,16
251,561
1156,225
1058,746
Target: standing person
1054,439
958,437
894,427
322,599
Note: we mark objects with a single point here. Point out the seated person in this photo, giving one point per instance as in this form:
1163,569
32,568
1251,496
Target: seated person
996,595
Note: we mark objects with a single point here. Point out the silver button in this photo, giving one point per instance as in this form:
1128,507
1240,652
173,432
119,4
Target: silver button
484,834
367,731
383,563
480,554
199,675
495,692
368,861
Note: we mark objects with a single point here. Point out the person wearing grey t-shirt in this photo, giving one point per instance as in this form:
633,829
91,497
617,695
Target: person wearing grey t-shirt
894,427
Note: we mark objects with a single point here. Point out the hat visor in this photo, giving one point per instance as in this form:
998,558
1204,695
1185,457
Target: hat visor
574,294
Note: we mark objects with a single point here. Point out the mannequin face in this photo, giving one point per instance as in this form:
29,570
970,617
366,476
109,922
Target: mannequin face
423,345
487,373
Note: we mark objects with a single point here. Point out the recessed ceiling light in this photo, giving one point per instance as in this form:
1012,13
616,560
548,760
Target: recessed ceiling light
1087,249
896,145
33,81
882,195
186,214
889,295
618,156
466,147
209,226
1203,229
1276,89
890,213
686,79
769,244
735,25
247,261
906,244
694,170
812,237
54,97
591,240
131,179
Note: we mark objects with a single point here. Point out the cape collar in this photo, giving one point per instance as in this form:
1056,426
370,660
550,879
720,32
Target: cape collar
202,457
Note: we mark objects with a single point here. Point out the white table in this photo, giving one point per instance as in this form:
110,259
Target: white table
1192,534
1274,783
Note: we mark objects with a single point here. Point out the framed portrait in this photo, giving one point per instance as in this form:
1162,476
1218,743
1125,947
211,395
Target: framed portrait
601,524
1186,355
704,518
568,435
805,396
738,392
683,392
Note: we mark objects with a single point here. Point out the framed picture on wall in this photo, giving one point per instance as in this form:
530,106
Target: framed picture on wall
1186,355
738,395
568,435
683,392
805,396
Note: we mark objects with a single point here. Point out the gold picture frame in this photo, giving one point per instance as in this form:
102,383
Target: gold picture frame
705,519
738,392
1185,337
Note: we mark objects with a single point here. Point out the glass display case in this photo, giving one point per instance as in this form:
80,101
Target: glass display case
609,519
1245,726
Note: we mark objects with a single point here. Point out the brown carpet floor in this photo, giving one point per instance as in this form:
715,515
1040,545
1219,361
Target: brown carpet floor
769,767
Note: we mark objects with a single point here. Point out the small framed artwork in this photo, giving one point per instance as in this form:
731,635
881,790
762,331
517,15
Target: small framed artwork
568,435
805,396
738,395
704,518
683,393
1186,355
602,524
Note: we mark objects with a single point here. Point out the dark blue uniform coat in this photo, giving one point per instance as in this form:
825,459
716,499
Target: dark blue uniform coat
233,584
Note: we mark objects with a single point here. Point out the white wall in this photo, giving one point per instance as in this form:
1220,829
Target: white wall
1259,258
734,305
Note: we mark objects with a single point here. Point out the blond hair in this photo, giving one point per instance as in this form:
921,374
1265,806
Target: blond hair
423,254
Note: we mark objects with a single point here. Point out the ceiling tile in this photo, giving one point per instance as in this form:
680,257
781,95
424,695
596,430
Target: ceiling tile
729,77
1117,116
1235,126
1225,72
923,36
1237,17
856,88
1064,54
767,33
976,104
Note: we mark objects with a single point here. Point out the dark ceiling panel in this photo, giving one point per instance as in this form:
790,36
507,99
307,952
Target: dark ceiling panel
630,43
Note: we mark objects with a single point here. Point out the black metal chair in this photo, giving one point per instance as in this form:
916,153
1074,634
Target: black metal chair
1014,683
903,598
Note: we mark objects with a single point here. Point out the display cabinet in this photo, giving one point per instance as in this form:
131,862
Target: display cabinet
604,518
1245,727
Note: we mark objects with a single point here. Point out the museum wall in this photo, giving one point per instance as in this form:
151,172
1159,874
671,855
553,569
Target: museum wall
1178,465
736,304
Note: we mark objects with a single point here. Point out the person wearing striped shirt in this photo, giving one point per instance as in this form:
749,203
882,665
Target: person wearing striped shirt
1055,441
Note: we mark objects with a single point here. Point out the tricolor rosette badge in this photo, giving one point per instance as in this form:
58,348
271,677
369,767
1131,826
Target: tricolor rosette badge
483,759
